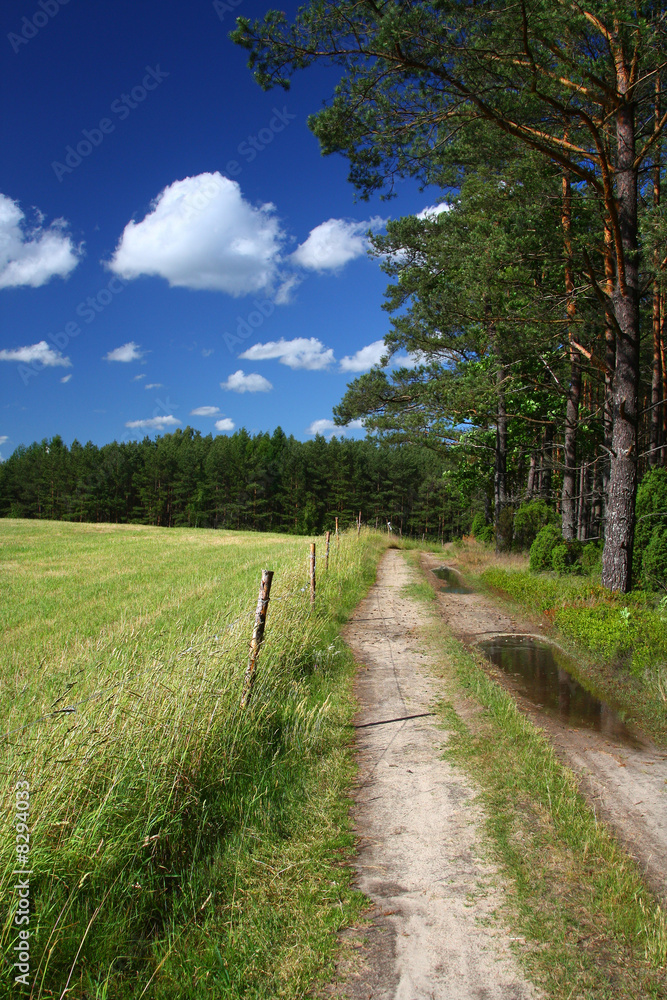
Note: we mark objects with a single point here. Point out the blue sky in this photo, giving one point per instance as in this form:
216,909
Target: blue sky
174,249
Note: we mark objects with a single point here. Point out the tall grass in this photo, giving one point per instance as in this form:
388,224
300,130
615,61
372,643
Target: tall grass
179,845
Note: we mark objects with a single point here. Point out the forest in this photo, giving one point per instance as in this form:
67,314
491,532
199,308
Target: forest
260,483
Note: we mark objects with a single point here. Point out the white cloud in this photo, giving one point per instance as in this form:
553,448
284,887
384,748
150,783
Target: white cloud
200,233
136,378
154,385
302,352
328,428
205,411
3,439
206,352
365,358
33,255
65,378
240,382
154,423
224,425
128,352
39,353
432,211
334,243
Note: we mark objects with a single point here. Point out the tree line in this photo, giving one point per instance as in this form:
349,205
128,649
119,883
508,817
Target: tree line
265,482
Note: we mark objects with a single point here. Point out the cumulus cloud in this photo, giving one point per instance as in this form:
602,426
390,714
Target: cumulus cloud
39,353
365,358
328,428
128,352
205,411
3,439
224,425
433,211
334,243
200,233
65,378
153,423
240,382
32,255
302,352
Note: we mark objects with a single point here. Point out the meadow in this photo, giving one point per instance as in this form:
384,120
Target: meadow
179,846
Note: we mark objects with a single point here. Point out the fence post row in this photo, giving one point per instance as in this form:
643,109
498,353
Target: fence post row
312,575
257,635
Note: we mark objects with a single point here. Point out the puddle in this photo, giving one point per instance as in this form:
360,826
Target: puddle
451,580
539,671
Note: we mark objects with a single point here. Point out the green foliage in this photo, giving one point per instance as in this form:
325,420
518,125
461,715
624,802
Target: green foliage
261,483
654,563
529,519
545,542
566,556
591,558
505,529
651,516
480,530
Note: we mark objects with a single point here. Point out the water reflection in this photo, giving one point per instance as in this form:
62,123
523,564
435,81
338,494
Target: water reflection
452,581
540,674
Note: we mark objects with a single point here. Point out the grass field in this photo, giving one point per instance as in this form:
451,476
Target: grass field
179,846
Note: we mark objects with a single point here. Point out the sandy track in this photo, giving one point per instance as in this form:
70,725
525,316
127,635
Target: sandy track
418,828
625,785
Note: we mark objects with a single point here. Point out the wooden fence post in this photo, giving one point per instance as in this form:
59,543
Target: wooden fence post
312,576
337,539
326,556
257,635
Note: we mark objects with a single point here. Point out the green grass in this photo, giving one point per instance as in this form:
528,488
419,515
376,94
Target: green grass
179,846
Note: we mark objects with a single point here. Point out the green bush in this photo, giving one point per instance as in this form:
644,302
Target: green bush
650,514
529,519
591,558
480,530
540,551
654,562
505,529
566,556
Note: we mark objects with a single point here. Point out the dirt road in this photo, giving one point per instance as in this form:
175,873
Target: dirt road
432,935
625,785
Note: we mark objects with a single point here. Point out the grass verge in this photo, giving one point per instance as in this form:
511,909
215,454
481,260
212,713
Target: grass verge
591,927
619,640
178,846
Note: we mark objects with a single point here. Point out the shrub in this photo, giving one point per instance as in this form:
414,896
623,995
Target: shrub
654,562
505,529
529,519
566,556
591,558
478,525
480,530
540,551
650,514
